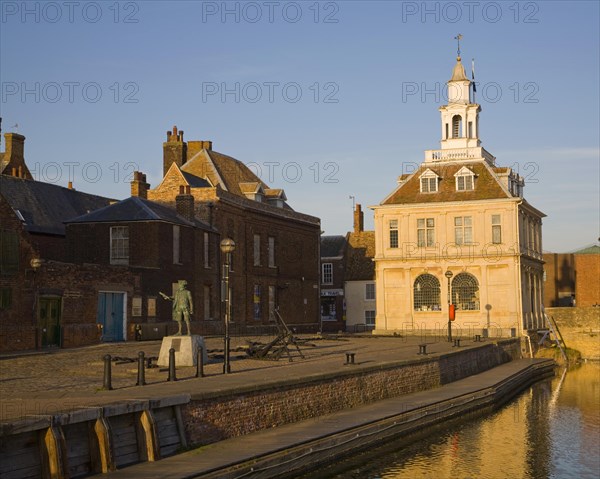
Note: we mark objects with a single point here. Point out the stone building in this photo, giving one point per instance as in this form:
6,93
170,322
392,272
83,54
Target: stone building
359,278
276,260
460,215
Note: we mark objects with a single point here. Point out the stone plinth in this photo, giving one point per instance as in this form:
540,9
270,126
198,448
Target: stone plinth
186,350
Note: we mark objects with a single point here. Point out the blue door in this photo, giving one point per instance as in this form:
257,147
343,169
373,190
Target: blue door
110,316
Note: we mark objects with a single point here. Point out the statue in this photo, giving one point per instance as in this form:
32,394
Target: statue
182,306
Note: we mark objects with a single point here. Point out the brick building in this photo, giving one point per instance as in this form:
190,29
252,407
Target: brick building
276,260
333,268
459,231
571,279
159,246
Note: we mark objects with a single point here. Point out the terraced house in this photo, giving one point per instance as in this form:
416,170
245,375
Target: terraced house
459,231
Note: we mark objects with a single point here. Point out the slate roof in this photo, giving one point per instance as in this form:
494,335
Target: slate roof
359,256
45,206
332,246
194,181
136,209
487,185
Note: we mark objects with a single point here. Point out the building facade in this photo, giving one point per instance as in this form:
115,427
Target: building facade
333,269
276,260
359,279
458,231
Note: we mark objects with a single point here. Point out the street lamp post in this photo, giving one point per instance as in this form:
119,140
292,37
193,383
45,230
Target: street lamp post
449,275
227,247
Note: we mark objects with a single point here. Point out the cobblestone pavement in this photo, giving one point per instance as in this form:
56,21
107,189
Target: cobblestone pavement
41,383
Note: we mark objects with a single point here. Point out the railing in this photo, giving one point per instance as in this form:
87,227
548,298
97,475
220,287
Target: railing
474,153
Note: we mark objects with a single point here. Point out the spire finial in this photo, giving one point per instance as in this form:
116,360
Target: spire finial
458,38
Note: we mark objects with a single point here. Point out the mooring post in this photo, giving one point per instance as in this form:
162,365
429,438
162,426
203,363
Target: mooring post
107,373
200,363
141,378
172,376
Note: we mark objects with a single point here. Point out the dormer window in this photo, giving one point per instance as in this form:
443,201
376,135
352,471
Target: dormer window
429,181
465,179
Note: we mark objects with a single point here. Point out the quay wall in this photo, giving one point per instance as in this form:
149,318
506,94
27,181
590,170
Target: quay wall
580,328
209,418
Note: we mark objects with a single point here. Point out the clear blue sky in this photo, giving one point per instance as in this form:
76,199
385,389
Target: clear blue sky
95,85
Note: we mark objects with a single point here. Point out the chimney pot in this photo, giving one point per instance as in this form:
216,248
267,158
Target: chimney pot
70,185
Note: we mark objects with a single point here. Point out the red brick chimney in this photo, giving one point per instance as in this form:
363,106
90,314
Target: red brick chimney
139,187
14,156
184,203
359,221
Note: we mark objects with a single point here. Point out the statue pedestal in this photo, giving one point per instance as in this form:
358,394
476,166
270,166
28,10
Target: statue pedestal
186,350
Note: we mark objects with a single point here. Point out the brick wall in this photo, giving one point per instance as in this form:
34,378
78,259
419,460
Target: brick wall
587,279
560,279
580,328
214,419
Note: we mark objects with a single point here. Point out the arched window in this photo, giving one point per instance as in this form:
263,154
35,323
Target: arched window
427,293
465,292
457,126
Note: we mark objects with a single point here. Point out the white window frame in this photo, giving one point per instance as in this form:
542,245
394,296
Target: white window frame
370,317
327,273
465,179
176,244
463,230
428,181
426,226
393,236
370,292
206,246
257,250
119,245
496,229
271,248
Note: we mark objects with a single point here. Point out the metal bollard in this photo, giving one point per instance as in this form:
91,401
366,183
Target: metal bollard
200,363
141,379
107,373
172,376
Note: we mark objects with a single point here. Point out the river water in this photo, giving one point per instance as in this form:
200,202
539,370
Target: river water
551,430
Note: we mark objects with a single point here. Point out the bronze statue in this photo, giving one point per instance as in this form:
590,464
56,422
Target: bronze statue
182,306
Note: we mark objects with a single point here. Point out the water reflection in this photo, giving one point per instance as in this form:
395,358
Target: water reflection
552,430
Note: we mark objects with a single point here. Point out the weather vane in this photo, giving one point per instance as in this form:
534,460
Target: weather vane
458,38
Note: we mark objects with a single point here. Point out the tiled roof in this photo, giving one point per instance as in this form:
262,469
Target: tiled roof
332,246
136,209
487,185
221,169
359,256
45,206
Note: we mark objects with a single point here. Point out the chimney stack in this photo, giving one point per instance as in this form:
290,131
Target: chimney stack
139,187
184,203
174,150
359,222
14,156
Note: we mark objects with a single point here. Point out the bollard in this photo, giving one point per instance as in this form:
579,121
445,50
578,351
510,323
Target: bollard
107,373
141,379
172,376
200,363
349,358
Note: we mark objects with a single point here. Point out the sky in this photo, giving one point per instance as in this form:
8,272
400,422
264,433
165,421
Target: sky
330,101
